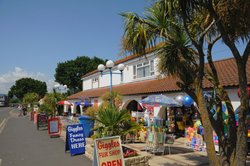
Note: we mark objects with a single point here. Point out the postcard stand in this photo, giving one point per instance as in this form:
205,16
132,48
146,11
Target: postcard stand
155,142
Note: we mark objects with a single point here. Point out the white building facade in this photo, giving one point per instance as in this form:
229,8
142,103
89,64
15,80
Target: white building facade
141,78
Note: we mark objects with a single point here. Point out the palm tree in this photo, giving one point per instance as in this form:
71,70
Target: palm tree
115,96
50,102
30,98
112,122
232,24
183,30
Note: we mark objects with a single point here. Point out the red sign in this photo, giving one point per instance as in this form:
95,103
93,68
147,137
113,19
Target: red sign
35,118
54,126
108,152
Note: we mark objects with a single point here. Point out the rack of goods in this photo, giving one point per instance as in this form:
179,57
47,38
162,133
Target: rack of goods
156,137
170,123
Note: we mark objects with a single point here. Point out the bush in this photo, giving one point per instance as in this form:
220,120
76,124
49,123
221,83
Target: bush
112,122
91,111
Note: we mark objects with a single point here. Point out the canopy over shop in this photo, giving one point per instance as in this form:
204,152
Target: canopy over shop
73,108
171,114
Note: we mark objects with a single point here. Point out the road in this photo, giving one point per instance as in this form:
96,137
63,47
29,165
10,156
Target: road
22,145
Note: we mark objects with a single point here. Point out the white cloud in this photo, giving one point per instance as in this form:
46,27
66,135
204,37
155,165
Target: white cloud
9,79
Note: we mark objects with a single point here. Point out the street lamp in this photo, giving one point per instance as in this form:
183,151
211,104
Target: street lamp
60,88
109,65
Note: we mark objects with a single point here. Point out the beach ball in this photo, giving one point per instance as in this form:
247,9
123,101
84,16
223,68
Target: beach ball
179,99
187,101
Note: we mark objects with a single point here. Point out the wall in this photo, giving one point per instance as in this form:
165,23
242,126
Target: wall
104,79
232,93
87,84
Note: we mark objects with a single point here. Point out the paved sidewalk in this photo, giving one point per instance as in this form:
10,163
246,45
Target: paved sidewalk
180,155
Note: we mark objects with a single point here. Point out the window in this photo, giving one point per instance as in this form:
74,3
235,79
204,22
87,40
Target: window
144,69
95,82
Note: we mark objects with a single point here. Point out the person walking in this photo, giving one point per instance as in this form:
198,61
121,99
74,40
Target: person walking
24,110
20,109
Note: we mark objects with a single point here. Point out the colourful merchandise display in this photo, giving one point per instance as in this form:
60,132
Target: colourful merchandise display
194,137
170,123
216,142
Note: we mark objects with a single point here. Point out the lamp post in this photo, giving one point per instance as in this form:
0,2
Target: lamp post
109,65
60,88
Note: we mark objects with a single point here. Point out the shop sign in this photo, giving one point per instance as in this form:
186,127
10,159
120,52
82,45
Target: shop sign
108,152
75,139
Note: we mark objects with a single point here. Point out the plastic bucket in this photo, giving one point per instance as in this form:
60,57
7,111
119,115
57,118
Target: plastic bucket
88,125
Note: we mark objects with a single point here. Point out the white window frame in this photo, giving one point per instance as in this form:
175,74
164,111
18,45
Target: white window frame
143,65
94,80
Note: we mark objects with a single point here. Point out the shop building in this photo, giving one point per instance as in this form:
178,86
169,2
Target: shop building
141,78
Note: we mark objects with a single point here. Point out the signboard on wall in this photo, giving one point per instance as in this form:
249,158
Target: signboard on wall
75,139
108,152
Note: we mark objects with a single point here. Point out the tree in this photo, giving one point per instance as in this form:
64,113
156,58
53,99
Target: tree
177,24
116,99
69,73
30,98
50,100
28,85
232,24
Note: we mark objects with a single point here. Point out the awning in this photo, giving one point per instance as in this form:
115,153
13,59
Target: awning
84,104
64,102
161,100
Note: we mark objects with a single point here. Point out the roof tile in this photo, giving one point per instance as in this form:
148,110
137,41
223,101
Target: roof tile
227,72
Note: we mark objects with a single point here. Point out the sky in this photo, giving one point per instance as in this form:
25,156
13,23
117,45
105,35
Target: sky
36,35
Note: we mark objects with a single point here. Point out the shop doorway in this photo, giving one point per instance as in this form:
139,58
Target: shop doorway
132,105
135,110
78,110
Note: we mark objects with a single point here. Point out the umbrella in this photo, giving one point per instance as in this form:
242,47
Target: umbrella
85,103
64,102
161,100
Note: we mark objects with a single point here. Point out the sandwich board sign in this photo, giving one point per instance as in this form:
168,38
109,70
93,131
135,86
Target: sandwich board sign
75,139
42,121
108,152
54,128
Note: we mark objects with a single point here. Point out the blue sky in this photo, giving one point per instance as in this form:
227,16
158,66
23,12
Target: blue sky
35,35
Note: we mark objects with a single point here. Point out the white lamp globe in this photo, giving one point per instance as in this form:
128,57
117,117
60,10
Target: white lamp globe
110,64
101,67
121,67
65,86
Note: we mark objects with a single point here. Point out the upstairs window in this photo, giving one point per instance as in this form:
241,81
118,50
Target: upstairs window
95,82
144,69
